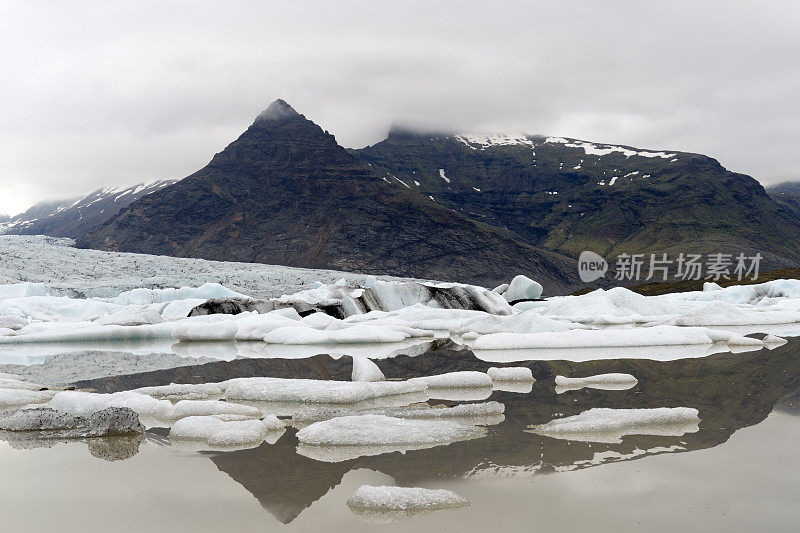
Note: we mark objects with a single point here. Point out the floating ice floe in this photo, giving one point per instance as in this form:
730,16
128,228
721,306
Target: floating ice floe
465,379
475,414
21,290
20,397
141,296
80,403
366,370
653,353
221,434
511,373
354,334
348,437
386,504
641,336
52,424
316,391
187,408
522,288
612,381
131,316
19,384
610,425
183,391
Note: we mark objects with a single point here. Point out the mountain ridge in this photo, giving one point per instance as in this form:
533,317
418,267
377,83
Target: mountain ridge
285,192
570,195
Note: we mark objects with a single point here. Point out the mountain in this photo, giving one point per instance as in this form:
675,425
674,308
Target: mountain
76,217
569,195
285,192
788,195
35,212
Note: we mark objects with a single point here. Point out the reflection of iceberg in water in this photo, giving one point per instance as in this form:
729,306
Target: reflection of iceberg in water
610,425
116,448
653,353
228,351
730,391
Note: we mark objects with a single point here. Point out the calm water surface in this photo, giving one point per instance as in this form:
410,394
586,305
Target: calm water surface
739,472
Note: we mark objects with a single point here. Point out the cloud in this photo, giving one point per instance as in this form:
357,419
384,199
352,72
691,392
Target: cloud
102,93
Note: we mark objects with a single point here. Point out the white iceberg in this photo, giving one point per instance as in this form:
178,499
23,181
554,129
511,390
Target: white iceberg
510,373
613,381
522,288
316,391
183,391
186,408
223,434
582,338
362,430
366,370
19,397
80,403
475,414
465,379
384,504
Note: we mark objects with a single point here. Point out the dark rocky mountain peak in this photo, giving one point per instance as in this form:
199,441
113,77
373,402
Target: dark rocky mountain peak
285,192
278,110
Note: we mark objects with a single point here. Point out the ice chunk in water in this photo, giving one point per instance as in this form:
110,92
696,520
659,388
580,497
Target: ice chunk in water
183,391
220,433
18,397
364,430
81,403
386,504
610,425
600,381
468,379
186,408
316,391
366,370
19,384
130,316
522,288
487,413
510,373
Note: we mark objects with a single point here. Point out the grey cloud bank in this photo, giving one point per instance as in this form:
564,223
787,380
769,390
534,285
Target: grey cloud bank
100,94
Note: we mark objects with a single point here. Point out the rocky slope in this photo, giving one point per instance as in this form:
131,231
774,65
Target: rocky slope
570,195
787,195
73,218
286,193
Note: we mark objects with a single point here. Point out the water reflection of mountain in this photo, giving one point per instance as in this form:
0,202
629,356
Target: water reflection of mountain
731,391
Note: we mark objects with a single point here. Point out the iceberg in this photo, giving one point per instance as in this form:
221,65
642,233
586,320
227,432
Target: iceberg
316,391
582,338
53,424
366,370
511,373
223,434
20,397
181,391
80,403
361,430
466,379
522,288
612,381
384,504
187,408
475,414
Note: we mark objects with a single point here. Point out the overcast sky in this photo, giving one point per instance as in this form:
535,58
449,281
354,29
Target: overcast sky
107,93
